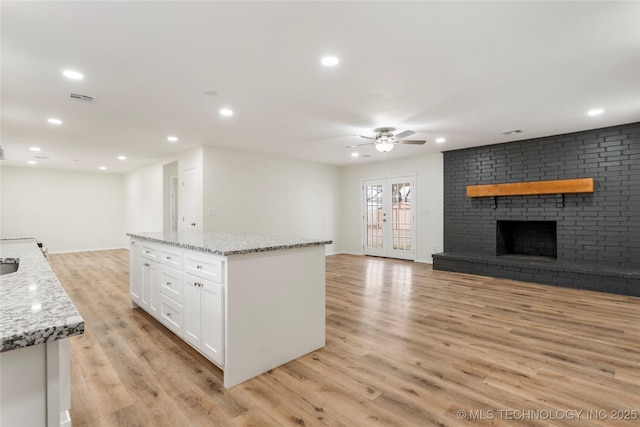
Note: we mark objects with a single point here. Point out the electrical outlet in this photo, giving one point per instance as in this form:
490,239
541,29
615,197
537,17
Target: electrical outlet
212,212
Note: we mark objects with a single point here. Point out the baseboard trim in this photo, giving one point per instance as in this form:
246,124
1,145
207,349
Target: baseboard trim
87,250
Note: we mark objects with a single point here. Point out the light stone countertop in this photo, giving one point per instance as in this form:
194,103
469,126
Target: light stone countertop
227,243
34,307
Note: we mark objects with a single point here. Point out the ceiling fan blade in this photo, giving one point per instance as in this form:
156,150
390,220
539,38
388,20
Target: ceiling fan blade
410,141
360,145
365,137
404,134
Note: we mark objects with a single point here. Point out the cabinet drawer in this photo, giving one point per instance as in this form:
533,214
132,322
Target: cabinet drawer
170,256
149,250
209,267
171,314
171,284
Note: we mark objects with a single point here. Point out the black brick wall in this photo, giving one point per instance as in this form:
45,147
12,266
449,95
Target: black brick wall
600,229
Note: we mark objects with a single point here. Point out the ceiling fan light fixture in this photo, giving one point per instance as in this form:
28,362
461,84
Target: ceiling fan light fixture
384,147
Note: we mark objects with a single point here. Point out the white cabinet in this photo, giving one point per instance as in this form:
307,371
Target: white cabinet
171,284
205,266
170,256
171,315
203,325
211,343
247,313
135,272
192,303
36,385
171,298
184,290
150,298
144,276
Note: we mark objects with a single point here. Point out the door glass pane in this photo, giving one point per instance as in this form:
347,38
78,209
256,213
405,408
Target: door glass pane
401,216
374,216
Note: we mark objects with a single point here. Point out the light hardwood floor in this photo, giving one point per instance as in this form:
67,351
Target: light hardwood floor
406,346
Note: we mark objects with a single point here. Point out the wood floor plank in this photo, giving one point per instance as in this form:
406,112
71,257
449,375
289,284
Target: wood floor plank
406,346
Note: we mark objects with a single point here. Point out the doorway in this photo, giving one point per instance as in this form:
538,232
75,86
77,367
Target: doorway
189,199
389,217
173,203
170,195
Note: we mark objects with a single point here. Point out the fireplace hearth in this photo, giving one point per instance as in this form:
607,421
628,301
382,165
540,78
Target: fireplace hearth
536,239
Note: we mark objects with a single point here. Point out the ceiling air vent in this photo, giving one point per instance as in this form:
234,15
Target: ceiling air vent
512,132
80,97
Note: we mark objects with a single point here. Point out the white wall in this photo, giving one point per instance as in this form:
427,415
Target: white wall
428,198
262,194
67,211
255,193
144,192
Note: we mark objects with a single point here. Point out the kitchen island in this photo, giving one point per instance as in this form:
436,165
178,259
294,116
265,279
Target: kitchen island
247,303
36,318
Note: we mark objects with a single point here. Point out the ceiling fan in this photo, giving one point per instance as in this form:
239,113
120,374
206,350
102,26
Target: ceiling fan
385,140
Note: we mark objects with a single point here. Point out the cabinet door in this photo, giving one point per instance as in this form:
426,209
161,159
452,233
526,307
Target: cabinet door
150,287
192,310
136,266
212,325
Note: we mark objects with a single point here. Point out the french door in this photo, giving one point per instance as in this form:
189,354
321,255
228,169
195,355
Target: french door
389,217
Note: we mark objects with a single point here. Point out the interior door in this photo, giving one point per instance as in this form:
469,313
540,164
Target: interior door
189,200
173,202
389,218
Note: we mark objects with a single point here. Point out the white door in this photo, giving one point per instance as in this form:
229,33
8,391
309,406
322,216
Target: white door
389,217
173,202
189,200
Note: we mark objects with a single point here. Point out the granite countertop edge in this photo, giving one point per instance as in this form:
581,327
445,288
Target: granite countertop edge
42,335
303,243
21,324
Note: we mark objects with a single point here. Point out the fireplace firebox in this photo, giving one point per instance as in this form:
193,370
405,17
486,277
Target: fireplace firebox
527,239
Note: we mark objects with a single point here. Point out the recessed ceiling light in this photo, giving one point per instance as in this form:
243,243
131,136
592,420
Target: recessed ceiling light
227,112
330,61
172,138
354,154
55,121
103,168
512,132
34,148
74,75
440,140
31,162
595,112
122,158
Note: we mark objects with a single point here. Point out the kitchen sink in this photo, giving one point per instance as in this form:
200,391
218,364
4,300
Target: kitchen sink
9,265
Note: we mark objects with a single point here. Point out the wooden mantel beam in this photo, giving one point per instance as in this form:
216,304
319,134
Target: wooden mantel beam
560,186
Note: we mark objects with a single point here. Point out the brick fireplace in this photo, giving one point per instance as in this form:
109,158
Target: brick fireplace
583,240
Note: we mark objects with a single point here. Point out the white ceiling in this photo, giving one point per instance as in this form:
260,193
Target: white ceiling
462,70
